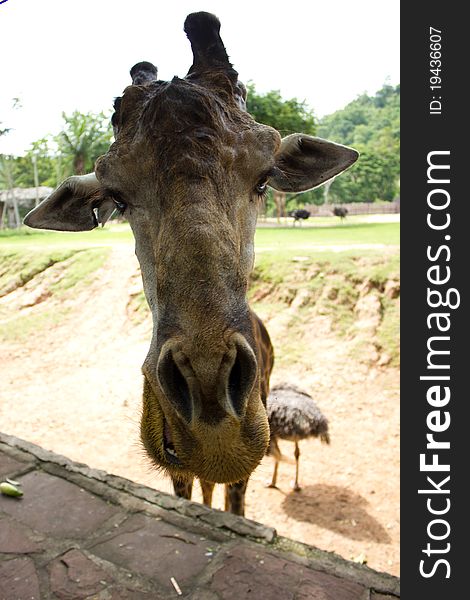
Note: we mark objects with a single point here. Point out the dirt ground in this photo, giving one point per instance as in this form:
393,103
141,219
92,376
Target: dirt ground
74,388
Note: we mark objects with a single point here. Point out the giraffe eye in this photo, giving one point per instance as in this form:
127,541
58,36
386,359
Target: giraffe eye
120,205
262,188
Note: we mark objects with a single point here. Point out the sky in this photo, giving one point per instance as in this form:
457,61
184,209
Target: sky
64,55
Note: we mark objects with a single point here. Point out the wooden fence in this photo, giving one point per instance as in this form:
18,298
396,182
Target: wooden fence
356,208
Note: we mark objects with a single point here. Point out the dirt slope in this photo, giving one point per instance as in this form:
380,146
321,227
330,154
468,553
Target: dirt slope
74,387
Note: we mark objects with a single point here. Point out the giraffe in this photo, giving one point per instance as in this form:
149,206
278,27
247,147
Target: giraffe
187,169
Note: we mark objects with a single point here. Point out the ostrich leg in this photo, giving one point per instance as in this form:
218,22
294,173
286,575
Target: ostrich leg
297,487
274,479
276,454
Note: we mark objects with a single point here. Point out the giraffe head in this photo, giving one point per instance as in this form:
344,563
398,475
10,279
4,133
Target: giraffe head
186,169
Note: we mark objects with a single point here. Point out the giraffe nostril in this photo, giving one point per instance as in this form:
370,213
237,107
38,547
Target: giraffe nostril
241,378
234,385
175,386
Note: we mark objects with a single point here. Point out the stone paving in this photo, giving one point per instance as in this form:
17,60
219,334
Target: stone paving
81,533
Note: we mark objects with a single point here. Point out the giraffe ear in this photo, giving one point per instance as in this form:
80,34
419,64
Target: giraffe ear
78,204
304,162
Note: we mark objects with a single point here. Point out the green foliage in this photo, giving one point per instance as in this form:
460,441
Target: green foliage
371,124
287,116
7,171
22,167
85,137
374,178
368,120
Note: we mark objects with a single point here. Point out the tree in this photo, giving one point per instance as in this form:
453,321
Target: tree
7,181
52,159
47,167
371,124
85,137
373,178
287,116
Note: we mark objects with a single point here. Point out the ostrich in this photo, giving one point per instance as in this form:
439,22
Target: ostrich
298,214
340,211
293,415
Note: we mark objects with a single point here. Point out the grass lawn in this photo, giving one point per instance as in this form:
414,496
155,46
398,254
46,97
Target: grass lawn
268,239
286,239
102,236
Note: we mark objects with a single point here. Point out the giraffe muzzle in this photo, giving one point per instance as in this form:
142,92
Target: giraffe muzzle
208,390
